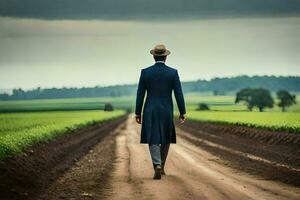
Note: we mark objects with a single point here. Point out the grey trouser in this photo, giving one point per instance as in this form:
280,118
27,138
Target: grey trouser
159,153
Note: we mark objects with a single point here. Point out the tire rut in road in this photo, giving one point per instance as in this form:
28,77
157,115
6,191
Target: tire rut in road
132,176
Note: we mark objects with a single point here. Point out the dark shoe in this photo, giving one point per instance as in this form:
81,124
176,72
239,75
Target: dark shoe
157,173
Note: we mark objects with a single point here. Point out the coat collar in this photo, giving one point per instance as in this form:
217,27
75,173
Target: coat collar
160,63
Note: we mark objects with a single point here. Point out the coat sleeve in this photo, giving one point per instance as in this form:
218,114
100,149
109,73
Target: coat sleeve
140,95
178,94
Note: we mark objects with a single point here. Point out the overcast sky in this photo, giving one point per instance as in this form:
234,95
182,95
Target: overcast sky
88,52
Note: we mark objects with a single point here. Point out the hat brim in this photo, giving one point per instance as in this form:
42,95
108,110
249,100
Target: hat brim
167,52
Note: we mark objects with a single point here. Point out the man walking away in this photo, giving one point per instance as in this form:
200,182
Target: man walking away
158,130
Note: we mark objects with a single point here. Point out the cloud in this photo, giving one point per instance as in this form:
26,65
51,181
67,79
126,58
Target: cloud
48,53
145,9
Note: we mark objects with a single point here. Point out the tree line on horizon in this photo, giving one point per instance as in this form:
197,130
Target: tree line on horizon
218,86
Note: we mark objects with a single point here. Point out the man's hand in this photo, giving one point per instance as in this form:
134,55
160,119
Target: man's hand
182,118
138,119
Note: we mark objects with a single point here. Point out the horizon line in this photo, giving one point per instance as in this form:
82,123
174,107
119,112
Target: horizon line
128,84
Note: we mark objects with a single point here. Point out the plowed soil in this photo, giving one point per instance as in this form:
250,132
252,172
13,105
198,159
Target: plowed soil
30,174
272,155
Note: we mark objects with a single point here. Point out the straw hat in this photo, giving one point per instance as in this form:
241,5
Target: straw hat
160,50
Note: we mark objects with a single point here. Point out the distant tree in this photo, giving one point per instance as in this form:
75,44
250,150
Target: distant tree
18,93
108,107
285,99
203,106
218,93
113,94
255,97
245,95
4,96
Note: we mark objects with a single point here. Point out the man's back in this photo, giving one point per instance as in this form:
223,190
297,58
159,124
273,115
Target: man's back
159,80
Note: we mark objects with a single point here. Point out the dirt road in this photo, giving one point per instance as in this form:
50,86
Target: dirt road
192,173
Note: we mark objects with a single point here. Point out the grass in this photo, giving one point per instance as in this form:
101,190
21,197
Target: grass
223,110
65,104
287,121
21,130
216,103
226,103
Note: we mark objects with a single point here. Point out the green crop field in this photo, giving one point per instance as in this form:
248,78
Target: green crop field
65,104
224,110
17,127
287,121
20,130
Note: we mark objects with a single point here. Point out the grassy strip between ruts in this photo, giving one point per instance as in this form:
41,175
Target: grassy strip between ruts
277,121
19,131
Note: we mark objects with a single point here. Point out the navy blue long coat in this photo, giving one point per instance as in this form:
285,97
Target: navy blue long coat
158,81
